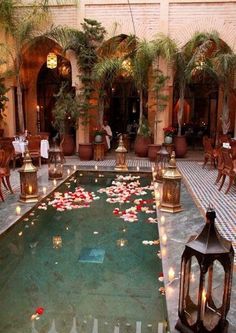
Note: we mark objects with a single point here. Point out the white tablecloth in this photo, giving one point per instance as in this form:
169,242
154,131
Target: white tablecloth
19,147
44,146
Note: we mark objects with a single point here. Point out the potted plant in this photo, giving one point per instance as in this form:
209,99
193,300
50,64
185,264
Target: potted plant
85,44
168,134
143,139
161,98
98,135
3,100
65,113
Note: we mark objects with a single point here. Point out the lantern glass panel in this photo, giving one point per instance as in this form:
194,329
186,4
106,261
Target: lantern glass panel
217,290
55,165
190,304
211,315
194,279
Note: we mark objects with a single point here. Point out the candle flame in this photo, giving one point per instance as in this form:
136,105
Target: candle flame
162,219
30,189
164,239
18,210
171,274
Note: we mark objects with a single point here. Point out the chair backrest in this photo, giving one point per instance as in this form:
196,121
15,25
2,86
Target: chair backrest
44,135
223,138
6,157
7,145
207,144
227,159
34,143
2,157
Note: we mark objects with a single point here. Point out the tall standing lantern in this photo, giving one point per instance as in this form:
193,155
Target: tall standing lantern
55,163
170,201
162,160
121,153
206,281
28,180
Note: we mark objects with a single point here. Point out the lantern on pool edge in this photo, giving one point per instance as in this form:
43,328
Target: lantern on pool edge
162,160
55,163
121,152
170,200
203,301
28,180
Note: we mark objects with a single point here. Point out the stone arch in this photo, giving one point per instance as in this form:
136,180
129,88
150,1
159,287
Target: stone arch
226,31
34,57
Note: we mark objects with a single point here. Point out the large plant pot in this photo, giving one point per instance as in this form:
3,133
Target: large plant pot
141,145
180,146
85,151
152,152
68,145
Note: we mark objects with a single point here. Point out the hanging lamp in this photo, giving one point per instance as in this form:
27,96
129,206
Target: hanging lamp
51,60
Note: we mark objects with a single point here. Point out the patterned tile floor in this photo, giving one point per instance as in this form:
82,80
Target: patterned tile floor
199,182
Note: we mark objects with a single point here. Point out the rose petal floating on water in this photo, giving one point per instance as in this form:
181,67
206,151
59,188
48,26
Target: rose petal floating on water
39,311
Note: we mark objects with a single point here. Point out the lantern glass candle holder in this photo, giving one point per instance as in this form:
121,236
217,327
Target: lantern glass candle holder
202,308
162,160
170,200
28,180
121,153
55,163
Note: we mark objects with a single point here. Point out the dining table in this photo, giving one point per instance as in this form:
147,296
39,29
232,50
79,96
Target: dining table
20,146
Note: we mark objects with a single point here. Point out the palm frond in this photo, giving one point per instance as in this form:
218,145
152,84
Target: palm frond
107,69
165,47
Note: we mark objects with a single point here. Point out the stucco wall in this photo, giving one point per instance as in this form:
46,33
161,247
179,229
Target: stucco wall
146,17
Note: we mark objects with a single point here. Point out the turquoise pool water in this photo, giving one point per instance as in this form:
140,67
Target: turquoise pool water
88,276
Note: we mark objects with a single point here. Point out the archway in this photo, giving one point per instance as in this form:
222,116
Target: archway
208,73
124,108
49,82
200,111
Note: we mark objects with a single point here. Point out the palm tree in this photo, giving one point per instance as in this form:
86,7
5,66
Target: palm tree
141,62
21,27
224,66
188,60
105,72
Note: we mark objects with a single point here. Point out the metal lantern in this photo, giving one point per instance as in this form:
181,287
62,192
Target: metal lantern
51,60
121,152
170,201
203,303
55,163
162,160
28,180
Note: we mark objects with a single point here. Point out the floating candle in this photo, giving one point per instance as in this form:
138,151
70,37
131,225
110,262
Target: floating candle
171,274
18,210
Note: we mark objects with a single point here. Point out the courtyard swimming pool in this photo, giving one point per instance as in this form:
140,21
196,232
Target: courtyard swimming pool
84,261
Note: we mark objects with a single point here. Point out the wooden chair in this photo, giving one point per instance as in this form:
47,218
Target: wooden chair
5,169
34,142
210,154
61,148
2,157
44,135
220,166
6,143
229,168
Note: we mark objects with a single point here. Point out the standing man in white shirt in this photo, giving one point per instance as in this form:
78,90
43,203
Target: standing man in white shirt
108,133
